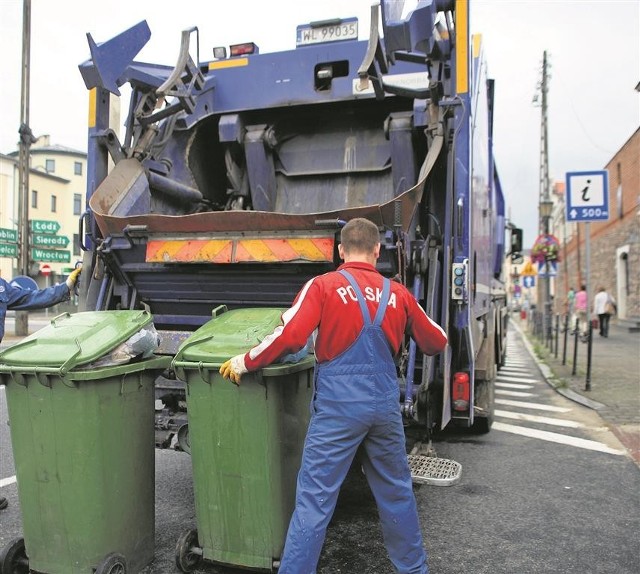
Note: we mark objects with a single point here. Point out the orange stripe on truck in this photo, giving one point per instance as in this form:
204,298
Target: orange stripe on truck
236,250
189,251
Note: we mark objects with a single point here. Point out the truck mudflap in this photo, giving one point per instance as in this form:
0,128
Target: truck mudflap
123,199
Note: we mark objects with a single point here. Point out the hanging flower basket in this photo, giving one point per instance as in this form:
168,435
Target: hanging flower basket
545,248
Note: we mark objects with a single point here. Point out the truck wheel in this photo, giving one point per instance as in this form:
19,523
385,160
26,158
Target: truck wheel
188,553
13,559
112,564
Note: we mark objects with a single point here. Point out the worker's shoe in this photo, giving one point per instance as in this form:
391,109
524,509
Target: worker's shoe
3,503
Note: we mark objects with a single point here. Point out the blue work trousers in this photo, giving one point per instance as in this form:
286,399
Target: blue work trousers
356,403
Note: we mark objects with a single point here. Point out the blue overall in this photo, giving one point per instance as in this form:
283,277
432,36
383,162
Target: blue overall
356,402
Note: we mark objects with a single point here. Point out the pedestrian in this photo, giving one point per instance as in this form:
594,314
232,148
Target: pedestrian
361,319
581,312
571,296
14,297
604,306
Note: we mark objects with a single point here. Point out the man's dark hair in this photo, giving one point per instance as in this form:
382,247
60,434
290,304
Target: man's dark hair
359,236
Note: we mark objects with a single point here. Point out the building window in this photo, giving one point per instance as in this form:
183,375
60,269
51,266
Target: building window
76,244
54,203
77,204
34,198
77,168
50,165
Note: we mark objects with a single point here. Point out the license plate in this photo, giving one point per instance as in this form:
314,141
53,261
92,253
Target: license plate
334,31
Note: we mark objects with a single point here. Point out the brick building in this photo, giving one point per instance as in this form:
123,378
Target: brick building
615,243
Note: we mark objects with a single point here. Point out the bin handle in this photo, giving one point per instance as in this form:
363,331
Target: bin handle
201,366
201,372
18,379
219,310
64,368
65,315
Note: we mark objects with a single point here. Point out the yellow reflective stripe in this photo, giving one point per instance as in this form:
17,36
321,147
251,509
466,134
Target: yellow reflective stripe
308,249
233,63
462,46
91,122
256,249
477,42
170,251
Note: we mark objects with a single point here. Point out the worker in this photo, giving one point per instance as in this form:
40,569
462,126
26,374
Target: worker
14,297
361,319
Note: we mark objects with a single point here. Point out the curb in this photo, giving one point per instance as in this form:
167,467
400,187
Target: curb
551,380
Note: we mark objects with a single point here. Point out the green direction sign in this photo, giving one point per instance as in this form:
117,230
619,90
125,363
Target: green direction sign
8,250
44,226
50,255
8,234
49,240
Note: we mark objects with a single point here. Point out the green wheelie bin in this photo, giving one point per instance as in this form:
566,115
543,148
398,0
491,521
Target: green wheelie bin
246,443
83,446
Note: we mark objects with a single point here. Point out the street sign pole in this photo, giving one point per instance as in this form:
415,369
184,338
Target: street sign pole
587,256
588,200
26,138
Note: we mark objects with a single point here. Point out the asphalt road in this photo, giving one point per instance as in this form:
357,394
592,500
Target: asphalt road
549,490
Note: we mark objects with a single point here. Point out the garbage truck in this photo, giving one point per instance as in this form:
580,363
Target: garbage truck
233,174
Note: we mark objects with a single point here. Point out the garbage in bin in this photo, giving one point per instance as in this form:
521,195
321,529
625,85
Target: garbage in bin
246,443
83,446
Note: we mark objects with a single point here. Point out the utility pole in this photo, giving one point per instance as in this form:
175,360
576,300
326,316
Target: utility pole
26,139
545,204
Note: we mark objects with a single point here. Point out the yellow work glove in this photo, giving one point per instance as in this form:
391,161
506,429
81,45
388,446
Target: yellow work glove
233,369
73,277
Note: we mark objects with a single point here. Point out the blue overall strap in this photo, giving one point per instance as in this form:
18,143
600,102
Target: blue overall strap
384,299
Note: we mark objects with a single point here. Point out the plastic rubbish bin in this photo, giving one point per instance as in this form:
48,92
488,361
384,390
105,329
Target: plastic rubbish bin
246,443
83,446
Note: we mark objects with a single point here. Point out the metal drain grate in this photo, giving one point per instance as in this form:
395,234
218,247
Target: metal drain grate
434,471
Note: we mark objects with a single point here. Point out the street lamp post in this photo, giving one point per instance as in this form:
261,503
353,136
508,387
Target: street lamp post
546,207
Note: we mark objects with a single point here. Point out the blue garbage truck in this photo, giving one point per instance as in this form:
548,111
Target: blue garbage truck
233,175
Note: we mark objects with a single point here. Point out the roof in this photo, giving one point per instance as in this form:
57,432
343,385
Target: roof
34,170
52,149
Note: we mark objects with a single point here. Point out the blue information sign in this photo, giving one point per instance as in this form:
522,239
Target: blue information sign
587,196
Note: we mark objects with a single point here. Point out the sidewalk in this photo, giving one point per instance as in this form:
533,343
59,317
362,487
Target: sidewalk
615,377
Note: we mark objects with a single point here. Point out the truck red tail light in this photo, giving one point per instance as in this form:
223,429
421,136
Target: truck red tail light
243,49
461,392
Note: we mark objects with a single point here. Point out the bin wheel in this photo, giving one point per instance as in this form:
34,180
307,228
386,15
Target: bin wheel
13,559
112,564
188,553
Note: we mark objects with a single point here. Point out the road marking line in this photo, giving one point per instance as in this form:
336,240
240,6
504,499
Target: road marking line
557,438
510,379
513,386
7,481
514,393
535,406
538,419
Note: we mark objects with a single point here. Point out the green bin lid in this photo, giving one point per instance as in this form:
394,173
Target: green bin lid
229,334
75,339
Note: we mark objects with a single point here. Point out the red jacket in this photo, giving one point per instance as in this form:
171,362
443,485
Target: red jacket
328,303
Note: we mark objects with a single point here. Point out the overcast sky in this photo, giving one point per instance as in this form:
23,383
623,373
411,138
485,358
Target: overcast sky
593,47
